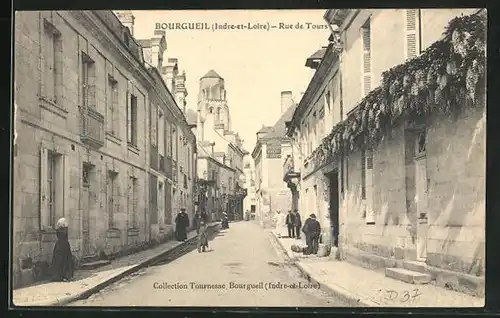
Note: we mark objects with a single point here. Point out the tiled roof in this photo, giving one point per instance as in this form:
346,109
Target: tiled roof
279,129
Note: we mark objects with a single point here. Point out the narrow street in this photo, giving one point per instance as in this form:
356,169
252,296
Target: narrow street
244,255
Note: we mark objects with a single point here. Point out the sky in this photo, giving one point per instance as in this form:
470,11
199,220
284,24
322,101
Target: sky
256,64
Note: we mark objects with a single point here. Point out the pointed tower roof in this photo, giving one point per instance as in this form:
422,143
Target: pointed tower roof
212,74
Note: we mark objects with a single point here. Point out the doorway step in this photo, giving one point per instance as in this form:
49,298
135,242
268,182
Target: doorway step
413,272
92,262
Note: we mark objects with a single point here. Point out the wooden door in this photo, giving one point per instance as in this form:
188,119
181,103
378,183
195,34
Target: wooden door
85,201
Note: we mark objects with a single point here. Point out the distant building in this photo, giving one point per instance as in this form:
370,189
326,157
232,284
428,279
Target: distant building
220,149
172,151
250,202
270,153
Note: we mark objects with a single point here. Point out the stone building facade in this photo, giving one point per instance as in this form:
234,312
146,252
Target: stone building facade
172,172
271,151
410,171
82,92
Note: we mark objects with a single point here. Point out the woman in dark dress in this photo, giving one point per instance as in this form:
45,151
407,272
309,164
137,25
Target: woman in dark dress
181,225
62,259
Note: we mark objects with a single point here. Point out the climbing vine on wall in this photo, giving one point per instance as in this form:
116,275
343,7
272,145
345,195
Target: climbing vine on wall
441,79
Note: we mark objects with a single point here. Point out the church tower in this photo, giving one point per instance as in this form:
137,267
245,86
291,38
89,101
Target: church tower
212,103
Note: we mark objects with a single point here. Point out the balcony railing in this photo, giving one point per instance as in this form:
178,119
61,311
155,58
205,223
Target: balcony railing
91,126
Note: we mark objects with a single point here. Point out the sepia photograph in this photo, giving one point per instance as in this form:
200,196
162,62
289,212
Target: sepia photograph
249,158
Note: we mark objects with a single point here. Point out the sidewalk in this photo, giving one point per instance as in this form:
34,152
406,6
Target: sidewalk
362,287
87,282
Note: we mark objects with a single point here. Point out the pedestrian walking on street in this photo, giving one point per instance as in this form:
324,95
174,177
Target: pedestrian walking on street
62,258
290,223
181,226
312,231
197,222
298,223
202,237
280,220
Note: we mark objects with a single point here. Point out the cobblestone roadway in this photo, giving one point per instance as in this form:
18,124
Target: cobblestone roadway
244,254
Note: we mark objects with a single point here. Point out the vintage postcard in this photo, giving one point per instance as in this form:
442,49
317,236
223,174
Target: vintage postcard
249,158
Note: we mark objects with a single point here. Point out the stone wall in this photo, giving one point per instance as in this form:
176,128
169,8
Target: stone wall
455,171
56,127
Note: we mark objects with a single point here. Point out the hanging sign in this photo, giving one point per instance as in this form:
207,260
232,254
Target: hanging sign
273,150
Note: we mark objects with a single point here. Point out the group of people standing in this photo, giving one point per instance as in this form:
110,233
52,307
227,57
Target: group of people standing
291,224
63,264
199,223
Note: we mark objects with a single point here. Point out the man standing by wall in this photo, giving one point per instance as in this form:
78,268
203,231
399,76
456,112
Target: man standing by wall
297,223
290,223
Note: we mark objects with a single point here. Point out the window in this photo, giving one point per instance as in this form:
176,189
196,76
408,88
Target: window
420,145
367,185
189,161
174,145
412,34
88,82
321,122
168,203
154,123
132,120
86,175
168,140
161,207
113,116
217,116
132,204
51,189
363,175
161,133
53,181
366,55
52,63
113,197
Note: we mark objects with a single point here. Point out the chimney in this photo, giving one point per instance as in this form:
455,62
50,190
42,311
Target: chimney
180,91
169,73
158,47
286,100
127,19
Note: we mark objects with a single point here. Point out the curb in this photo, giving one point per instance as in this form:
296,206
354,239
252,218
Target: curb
336,291
87,293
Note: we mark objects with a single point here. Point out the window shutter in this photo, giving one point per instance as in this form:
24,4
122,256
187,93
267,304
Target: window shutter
366,49
129,117
370,214
66,166
116,195
154,120
116,111
412,48
91,89
44,215
367,83
367,65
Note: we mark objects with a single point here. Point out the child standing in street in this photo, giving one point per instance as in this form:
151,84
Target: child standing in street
202,237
